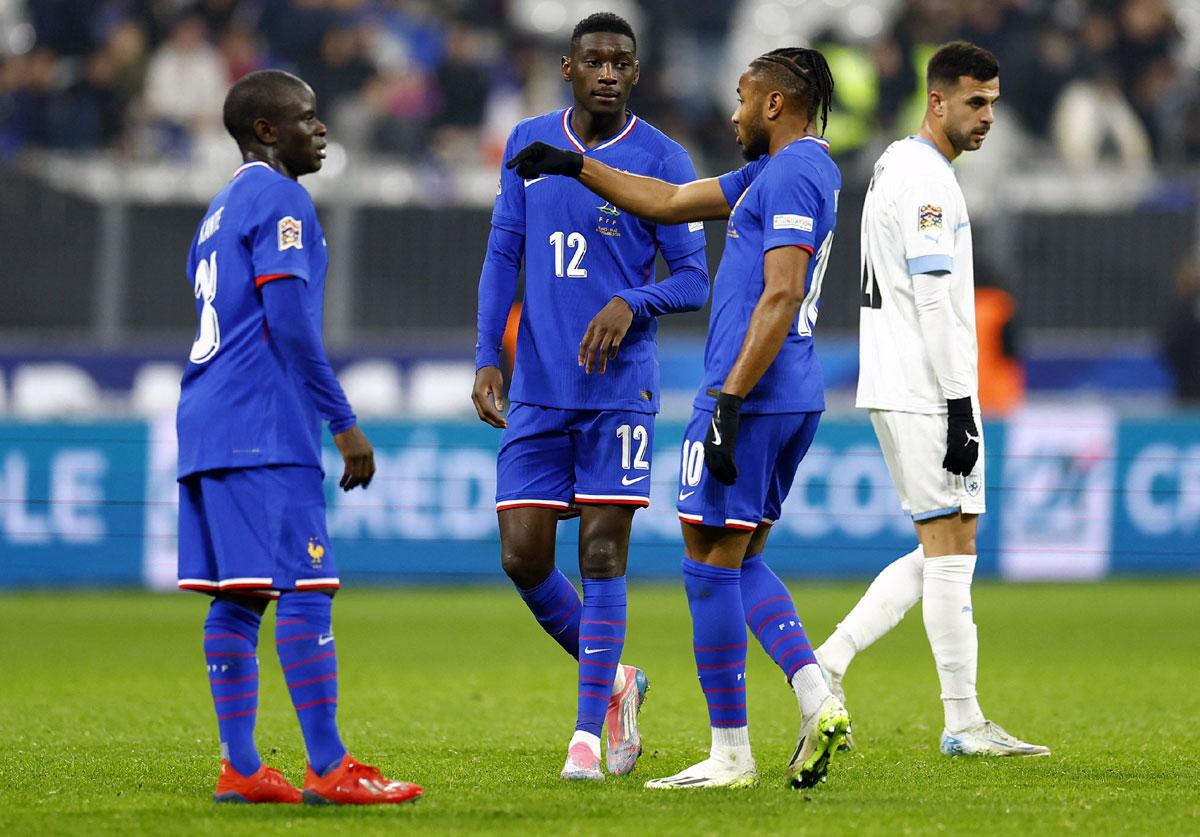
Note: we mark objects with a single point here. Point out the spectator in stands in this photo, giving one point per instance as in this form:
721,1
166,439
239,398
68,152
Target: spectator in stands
1181,330
1093,121
185,86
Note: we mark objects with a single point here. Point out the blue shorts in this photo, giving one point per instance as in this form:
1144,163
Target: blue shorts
256,530
556,459
768,452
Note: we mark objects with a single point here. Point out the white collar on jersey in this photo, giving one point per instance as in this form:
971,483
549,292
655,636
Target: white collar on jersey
249,165
583,149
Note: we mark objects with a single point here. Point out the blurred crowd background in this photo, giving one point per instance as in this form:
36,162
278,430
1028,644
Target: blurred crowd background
1085,80
1083,201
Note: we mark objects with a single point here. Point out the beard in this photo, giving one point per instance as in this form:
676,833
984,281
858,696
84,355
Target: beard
755,141
963,140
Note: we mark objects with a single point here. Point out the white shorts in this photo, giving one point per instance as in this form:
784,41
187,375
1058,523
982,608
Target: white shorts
914,445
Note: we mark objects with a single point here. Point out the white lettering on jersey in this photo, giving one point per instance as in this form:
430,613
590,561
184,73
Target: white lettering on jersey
290,233
793,222
211,224
208,337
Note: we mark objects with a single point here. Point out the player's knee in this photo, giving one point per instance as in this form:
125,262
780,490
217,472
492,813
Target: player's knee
524,569
602,558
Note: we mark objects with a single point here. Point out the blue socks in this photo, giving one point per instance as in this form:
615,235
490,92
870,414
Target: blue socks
304,642
771,615
555,605
230,640
718,639
601,638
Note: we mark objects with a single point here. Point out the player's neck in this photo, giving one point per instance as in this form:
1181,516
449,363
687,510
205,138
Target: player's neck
785,135
592,129
939,139
257,155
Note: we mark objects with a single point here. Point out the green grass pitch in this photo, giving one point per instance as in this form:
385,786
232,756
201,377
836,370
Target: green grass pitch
107,727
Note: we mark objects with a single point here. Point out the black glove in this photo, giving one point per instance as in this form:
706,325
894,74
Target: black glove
538,158
962,437
721,438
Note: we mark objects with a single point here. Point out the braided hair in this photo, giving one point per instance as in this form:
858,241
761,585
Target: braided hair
802,74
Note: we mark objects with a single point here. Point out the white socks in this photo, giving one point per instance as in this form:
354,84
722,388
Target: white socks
811,690
951,631
891,594
593,741
619,679
731,744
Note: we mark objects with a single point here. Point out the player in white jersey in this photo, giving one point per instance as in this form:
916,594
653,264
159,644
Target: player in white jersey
918,377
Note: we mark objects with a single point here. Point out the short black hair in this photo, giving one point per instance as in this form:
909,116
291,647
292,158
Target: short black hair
257,95
800,74
602,22
957,59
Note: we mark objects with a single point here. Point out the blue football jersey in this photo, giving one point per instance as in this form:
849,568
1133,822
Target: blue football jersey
789,199
240,406
579,251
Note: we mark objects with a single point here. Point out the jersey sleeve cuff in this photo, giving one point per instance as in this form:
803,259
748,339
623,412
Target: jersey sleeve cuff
341,425
785,241
936,263
486,357
259,281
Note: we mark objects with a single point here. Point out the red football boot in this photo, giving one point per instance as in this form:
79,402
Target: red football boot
355,783
264,785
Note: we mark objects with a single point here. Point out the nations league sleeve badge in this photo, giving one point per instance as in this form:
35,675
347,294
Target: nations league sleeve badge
290,233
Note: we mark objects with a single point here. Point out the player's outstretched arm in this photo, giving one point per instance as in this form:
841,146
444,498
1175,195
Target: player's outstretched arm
647,197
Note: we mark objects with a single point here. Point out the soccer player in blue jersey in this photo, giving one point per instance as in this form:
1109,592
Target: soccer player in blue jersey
760,400
251,505
579,429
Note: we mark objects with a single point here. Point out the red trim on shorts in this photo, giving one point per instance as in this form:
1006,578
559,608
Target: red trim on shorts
533,504
632,501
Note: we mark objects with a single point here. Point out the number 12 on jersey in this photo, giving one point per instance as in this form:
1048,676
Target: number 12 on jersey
577,244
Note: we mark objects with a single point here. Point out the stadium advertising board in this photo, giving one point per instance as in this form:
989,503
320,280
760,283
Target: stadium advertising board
94,504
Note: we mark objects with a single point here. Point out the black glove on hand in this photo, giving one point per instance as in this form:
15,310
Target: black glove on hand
721,438
962,437
538,158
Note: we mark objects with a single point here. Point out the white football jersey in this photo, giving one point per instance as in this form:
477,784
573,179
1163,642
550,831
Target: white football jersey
914,221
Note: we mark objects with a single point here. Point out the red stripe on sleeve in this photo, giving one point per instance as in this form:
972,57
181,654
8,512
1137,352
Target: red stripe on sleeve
259,281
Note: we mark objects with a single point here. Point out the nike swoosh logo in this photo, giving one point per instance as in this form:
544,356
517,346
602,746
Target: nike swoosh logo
683,495
716,432
625,480
529,183
594,650
324,639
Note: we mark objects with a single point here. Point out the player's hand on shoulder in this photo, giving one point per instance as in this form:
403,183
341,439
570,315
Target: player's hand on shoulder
962,437
538,159
358,456
721,439
488,396
604,335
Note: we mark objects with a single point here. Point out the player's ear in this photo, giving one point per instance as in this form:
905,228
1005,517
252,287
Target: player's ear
566,68
264,131
637,71
774,104
937,102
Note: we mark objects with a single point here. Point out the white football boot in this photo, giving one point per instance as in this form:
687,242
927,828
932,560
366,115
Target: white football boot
722,771
988,739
